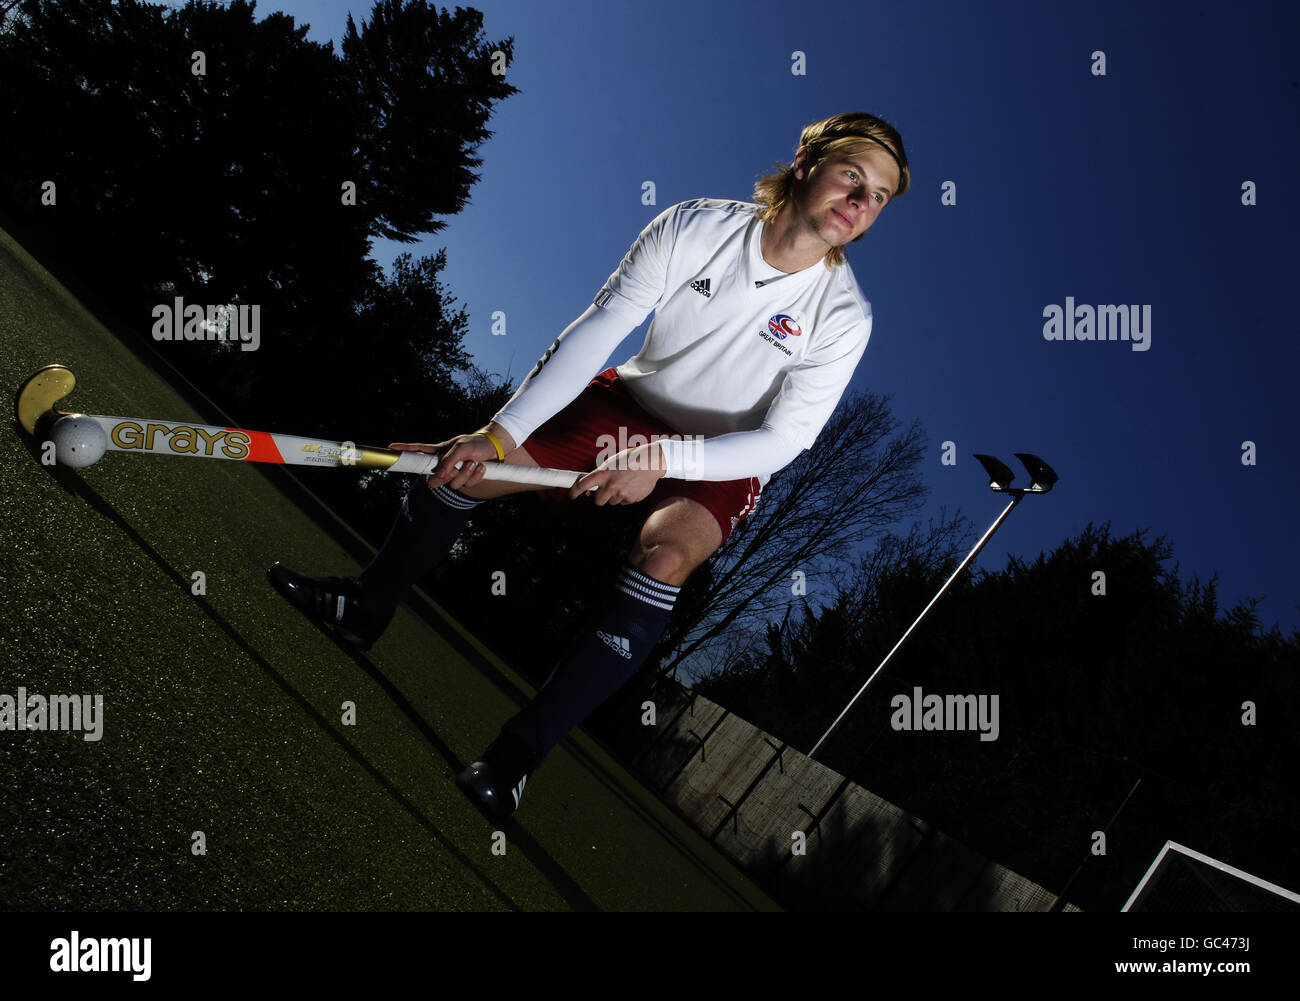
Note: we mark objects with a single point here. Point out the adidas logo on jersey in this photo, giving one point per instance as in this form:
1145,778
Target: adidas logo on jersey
702,287
618,644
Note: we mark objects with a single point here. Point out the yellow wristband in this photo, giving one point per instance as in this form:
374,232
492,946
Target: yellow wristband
501,452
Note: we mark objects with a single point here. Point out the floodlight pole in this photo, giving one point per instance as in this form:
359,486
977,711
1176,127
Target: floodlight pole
999,476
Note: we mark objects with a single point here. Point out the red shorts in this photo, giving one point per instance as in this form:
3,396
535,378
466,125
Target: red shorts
569,440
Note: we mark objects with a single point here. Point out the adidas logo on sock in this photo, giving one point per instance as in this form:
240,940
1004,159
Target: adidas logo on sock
618,644
702,287
518,791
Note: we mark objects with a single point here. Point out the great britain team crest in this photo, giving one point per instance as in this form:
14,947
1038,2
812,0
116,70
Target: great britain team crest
781,327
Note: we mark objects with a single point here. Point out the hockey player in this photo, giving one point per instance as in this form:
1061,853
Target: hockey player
758,327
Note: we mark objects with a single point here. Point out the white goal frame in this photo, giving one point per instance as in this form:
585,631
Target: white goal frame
1212,862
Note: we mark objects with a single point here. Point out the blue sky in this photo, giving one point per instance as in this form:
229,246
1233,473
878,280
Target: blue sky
1117,189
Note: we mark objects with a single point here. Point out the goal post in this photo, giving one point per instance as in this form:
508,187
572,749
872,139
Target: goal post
1182,879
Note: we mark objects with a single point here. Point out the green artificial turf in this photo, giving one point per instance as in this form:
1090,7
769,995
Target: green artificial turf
223,713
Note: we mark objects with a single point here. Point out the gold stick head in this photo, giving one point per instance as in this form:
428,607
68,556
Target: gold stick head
39,394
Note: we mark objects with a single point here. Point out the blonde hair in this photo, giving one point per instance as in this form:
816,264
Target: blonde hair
848,133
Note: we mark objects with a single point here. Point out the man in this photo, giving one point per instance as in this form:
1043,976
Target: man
759,325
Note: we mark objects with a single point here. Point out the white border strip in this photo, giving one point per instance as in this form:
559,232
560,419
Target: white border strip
1133,896
1213,863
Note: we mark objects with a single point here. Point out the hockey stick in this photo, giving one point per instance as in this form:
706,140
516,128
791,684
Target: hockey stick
35,405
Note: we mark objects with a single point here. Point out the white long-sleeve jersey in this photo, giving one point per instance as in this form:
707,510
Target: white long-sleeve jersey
749,357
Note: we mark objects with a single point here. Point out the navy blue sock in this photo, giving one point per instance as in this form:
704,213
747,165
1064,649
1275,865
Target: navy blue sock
423,532
606,651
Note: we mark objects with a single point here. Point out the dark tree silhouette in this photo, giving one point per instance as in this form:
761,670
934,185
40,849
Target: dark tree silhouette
201,153
426,82
1146,682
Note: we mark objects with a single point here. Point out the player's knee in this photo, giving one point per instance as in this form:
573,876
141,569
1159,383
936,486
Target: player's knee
667,560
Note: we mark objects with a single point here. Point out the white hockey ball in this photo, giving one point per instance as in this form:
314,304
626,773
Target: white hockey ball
78,441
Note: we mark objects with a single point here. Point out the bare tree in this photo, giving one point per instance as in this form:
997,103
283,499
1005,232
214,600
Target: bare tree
7,9
859,477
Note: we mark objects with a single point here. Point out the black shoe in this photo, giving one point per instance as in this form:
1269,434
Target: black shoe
497,779
335,602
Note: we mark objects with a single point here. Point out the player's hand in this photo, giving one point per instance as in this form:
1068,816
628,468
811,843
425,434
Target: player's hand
624,478
472,449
